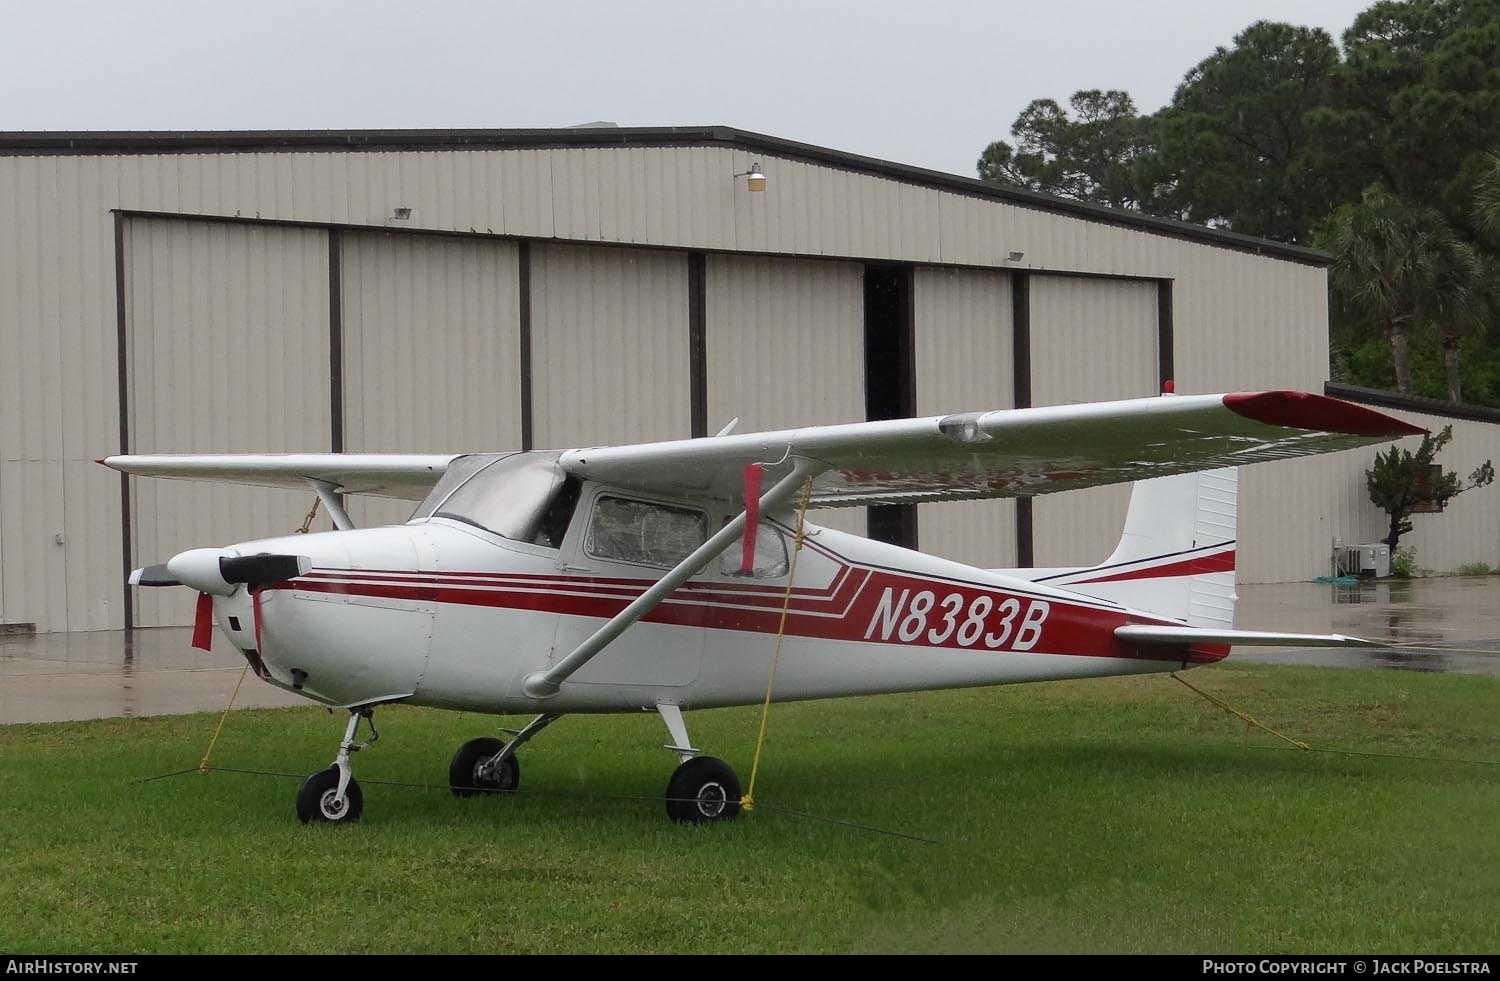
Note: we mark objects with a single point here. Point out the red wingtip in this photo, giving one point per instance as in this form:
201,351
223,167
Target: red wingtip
1303,410
101,462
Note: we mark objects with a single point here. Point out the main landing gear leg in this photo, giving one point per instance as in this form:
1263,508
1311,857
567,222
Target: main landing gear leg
333,795
489,765
702,788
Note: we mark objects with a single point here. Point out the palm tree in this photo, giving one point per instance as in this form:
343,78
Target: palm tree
1487,197
1458,306
1395,263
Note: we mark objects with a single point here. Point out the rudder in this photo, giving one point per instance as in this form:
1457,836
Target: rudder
1176,557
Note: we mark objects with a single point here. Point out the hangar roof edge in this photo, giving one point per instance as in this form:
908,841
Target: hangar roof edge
96,143
1413,403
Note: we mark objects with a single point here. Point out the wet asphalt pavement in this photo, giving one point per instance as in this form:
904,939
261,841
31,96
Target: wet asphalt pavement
1453,622
114,673
109,674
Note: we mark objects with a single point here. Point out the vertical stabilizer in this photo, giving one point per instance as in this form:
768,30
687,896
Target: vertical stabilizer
1176,555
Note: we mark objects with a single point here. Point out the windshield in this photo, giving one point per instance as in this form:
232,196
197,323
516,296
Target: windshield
508,494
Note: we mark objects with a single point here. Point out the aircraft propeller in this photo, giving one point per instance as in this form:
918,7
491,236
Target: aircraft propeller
219,571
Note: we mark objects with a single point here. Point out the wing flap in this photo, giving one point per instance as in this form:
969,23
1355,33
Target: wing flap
399,475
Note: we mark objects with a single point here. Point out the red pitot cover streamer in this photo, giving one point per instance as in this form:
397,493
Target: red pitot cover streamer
255,608
203,623
752,517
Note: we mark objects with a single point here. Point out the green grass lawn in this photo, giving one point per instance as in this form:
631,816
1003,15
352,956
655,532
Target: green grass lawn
1115,815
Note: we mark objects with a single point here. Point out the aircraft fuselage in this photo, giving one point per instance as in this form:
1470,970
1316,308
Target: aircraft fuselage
446,614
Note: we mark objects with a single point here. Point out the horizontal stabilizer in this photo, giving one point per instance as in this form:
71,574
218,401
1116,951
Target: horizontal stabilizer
1143,634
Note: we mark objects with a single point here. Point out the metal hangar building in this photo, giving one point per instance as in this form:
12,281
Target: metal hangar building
433,291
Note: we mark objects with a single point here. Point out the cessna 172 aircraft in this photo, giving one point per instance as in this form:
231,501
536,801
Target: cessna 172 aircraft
661,576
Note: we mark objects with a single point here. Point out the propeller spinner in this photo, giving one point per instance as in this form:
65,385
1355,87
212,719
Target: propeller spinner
220,571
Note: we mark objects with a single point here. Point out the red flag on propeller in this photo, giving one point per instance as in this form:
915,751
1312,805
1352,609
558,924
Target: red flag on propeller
203,623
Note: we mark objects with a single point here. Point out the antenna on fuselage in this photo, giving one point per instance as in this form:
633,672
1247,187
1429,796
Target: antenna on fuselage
729,428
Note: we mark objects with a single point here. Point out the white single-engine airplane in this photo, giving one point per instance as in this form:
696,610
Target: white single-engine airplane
622,579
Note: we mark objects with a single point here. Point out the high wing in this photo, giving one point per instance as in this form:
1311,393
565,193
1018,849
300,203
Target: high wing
1006,452
1001,453
405,476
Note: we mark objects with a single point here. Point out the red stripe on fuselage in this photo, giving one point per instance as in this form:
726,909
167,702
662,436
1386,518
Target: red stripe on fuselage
866,606
1196,566
754,593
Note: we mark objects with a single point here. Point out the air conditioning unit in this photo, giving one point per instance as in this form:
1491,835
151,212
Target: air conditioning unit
1373,559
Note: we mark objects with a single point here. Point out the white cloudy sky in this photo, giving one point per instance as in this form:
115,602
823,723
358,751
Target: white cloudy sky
926,83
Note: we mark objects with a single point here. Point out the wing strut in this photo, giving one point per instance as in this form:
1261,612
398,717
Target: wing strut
543,684
332,502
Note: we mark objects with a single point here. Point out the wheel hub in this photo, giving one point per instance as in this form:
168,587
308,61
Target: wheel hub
332,807
712,800
492,776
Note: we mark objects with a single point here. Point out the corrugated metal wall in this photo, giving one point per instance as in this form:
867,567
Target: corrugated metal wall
1092,340
58,401
229,353
1467,532
609,337
1242,320
682,197
1245,322
431,350
785,347
965,362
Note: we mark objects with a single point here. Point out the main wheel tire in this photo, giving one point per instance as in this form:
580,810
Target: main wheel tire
315,799
464,777
703,789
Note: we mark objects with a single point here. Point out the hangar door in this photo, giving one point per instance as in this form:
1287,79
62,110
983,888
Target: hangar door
227,352
1092,340
784,345
431,358
609,346
965,354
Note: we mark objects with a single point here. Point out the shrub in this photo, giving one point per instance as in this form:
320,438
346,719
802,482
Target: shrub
1404,564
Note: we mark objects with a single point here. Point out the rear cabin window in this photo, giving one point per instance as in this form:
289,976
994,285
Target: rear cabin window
639,532
770,556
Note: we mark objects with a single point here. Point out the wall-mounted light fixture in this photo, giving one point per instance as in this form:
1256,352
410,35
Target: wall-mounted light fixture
400,214
1015,256
755,180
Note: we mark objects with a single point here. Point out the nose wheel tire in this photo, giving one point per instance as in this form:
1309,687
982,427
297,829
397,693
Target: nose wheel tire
468,775
701,790
317,800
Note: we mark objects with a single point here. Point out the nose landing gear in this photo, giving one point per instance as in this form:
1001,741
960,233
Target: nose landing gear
333,795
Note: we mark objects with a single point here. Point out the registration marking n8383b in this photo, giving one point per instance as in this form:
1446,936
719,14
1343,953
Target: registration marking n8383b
921,618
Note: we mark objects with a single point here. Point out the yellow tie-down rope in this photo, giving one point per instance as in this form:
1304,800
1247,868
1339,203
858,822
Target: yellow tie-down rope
203,764
747,802
1249,721
307,521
